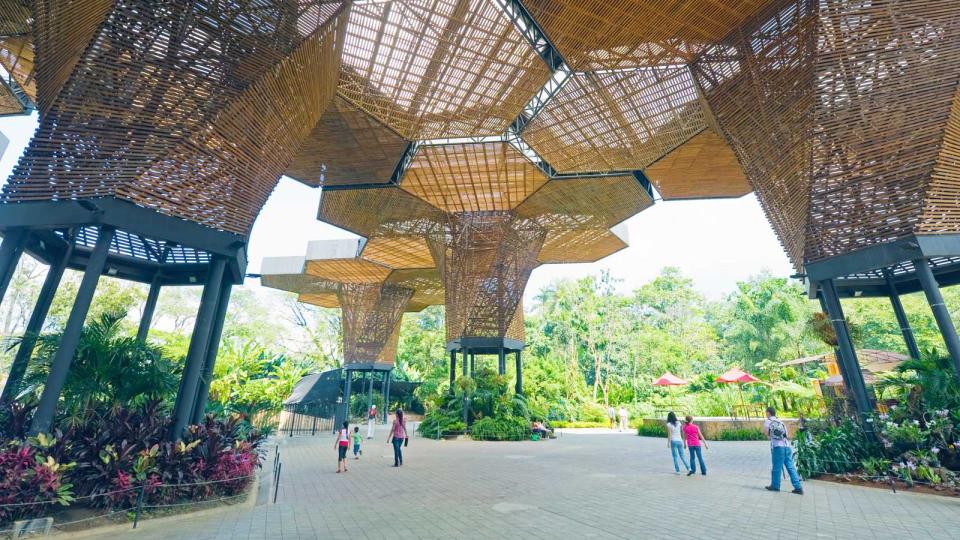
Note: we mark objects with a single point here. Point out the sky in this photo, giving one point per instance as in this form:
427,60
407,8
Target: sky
714,242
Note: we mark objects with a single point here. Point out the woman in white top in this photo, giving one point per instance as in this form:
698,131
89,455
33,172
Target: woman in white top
675,442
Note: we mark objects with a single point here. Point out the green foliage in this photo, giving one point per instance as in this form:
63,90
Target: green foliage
509,428
652,430
741,434
249,379
108,368
577,425
824,448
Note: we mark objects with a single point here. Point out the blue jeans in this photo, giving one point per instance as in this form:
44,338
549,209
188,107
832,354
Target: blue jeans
397,454
782,456
676,449
696,451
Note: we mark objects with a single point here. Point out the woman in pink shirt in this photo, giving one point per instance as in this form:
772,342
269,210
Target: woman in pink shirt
398,435
693,439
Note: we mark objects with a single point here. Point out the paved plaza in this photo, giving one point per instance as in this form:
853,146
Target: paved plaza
598,485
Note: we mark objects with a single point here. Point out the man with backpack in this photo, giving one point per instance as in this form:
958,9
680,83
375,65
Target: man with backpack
780,452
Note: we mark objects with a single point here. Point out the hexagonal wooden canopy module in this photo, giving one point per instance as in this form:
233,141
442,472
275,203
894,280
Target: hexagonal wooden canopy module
438,68
617,120
585,203
703,167
361,211
339,261
472,177
583,245
347,146
613,34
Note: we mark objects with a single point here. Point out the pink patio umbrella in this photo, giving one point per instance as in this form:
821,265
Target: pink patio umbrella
738,376
669,379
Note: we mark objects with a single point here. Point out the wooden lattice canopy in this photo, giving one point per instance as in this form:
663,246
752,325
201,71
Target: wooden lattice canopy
372,297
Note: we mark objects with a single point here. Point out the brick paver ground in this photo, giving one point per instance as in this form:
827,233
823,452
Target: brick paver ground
578,486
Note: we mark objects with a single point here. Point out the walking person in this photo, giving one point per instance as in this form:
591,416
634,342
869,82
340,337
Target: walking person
624,415
675,442
371,420
612,415
341,444
357,452
398,435
780,453
693,439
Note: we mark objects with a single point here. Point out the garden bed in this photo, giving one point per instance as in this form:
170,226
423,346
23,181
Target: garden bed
896,485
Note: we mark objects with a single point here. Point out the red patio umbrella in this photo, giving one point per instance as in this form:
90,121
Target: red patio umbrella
738,376
669,379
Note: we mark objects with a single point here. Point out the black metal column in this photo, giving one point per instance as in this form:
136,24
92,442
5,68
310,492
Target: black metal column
60,367
849,366
10,251
348,388
453,370
940,312
203,388
519,388
473,364
463,357
35,326
148,308
501,361
197,353
901,315
386,396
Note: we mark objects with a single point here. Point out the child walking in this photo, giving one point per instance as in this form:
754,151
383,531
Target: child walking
693,439
341,444
357,452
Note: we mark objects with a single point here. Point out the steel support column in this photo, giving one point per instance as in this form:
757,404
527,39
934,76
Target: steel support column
940,312
213,347
148,308
386,396
463,357
10,251
849,366
453,370
60,366
197,353
501,361
34,326
473,364
348,388
901,315
519,388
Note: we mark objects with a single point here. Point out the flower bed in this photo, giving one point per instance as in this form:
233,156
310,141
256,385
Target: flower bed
104,461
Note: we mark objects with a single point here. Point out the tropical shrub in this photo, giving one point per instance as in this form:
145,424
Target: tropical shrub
28,474
108,368
510,428
652,430
824,448
741,434
111,453
578,425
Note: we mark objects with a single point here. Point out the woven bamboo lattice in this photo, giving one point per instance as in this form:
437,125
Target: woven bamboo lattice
14,18
759,84
702,167
400,252
371,314
347,147
16,56
585,203
372,298
485,260
618,120
202,131
580,246
843,116
612,34
438,68
886,91
363,211
472,177
9,104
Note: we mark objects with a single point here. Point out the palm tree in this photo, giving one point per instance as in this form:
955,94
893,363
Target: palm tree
109,368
